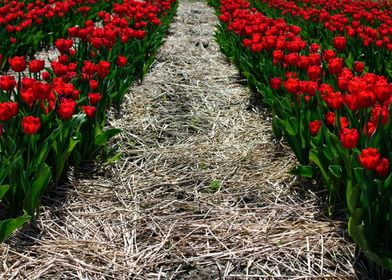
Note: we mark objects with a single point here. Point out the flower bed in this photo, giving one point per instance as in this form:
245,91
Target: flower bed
334,114
51,117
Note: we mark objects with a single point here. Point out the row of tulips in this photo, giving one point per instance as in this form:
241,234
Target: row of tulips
350,22
27,27
55,116
333,113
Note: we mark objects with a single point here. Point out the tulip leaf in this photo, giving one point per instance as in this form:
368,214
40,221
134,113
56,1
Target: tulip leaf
39,183
3,190
352,194
355,228
7,227
336,171
388,181
350,61
103,137
292,127
306,171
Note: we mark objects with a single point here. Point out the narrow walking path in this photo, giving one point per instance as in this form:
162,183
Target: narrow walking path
201,190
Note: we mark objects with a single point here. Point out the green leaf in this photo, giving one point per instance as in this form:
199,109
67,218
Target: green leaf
388,181
336,171
350,61
103,137
352,195
292,126
306,171
3,190
40,182
7,227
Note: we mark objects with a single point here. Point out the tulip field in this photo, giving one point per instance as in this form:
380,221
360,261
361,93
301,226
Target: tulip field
324,69
53,113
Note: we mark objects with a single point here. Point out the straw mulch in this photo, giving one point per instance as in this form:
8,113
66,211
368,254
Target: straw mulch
201,190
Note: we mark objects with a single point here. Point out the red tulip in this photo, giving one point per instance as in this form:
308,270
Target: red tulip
349,138
314,72
339,43
103,68
330,118
382,169
89,111
335,65
8,110
94,98
369,158
7,82
121,61
314,127
31,125
66,109
359,66
334,100
17,63
276,83
36,65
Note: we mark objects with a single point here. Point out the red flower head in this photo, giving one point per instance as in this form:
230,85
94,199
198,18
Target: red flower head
8,110
276,83
314,48
314,127
94,98
383,91
41,90
292,85
278,55
17,63
36,65
66,109
7,82
303,62
380,112
73,31
63,58
27,82
328,54
314,72
89,111
339,43
334,100
369,128
342,83
349,138
369,158
366,98
330,118
359,66
291,59
382,169
93,84
45,76
344,123
315,59
31,125
356,85
27,95
121,61
103,68
63,45
335,65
